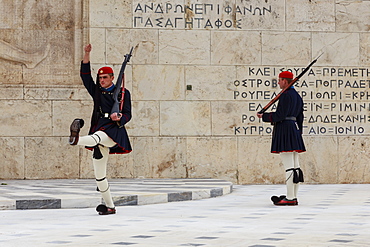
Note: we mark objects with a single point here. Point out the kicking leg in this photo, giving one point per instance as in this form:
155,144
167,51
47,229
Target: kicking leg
99,137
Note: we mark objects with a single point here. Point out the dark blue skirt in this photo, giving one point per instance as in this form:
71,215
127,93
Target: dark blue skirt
287,138
116,133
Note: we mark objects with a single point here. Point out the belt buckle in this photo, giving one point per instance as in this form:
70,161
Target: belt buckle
106,115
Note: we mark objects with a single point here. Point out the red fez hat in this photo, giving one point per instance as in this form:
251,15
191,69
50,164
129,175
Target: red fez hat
105,70
286,74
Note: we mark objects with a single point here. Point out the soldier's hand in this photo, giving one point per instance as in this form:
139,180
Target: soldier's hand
116,116
88,48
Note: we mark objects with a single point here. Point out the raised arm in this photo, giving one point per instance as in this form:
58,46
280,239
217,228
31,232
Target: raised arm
85,71
87,49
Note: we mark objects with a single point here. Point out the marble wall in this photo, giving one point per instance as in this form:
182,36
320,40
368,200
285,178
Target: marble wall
199,73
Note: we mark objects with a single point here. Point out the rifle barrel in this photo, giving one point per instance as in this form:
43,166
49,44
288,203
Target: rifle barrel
289,85
119,82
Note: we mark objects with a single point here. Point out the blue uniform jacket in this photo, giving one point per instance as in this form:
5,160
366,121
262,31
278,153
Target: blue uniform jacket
287,134
114,130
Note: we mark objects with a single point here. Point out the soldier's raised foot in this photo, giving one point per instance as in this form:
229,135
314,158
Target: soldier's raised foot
75,127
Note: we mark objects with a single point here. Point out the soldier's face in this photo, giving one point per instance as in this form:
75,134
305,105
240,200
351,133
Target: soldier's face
283,83
106,80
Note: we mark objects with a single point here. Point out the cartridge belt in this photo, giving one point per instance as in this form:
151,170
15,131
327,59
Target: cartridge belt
104,115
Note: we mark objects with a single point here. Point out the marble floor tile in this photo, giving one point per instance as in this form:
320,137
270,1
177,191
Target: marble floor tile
244,218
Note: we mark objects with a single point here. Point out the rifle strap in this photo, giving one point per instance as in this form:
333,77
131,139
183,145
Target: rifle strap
122,99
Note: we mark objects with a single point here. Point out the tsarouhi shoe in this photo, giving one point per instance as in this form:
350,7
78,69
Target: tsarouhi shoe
276,199
75,127
104,210
287,202
109,211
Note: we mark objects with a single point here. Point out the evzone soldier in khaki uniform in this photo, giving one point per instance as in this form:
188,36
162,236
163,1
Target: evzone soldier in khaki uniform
287,137
107,134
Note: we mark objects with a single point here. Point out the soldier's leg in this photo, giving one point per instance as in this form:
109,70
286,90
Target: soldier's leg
296,165
97,138
100,169
103,142
294,176
288,161
92,140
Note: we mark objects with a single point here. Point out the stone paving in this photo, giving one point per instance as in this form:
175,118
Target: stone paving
81,193
327,215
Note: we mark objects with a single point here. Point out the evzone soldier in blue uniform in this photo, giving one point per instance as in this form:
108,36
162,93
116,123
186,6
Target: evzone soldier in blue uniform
107,134
287,137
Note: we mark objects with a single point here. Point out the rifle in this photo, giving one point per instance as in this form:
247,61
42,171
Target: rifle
289,85
120,86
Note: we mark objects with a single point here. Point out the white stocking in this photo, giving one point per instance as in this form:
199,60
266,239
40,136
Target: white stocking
288,161
100,168
99,137
296,165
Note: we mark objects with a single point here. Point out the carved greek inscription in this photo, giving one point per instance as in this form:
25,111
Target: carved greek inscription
196,16
335,99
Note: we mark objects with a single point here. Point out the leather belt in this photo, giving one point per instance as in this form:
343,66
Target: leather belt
291,118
